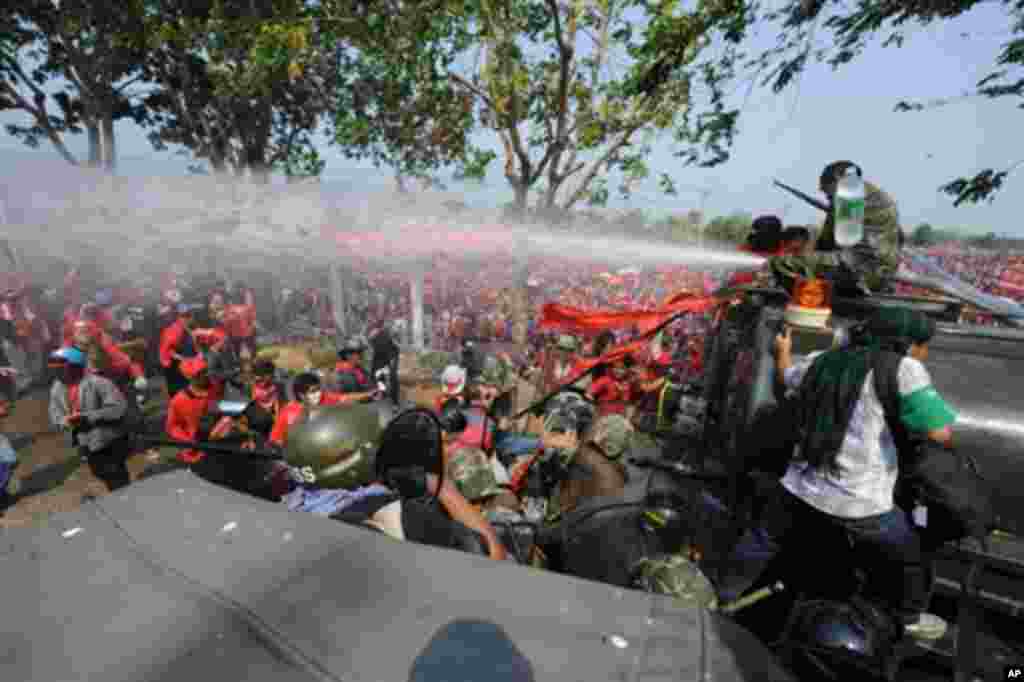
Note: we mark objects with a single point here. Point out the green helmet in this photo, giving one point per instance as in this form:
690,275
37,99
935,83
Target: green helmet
568,343
613,433
496,372
336,446
473,475
677,577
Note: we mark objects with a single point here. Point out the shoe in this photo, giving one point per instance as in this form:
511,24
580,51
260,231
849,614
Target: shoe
928,627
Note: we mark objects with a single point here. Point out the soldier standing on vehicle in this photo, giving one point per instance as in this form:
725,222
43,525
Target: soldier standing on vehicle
868,263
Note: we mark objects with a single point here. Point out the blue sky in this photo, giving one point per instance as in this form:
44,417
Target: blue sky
831,115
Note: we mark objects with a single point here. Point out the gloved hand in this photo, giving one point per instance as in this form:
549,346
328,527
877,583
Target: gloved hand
141,384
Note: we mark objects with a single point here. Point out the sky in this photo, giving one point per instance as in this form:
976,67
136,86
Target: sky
830,115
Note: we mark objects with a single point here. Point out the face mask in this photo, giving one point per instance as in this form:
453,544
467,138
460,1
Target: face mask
313,397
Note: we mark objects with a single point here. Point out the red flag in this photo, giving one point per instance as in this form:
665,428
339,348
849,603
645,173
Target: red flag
555,316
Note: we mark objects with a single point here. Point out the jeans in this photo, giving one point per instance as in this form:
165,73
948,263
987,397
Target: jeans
886,545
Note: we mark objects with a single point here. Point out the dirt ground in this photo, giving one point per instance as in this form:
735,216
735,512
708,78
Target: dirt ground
53,478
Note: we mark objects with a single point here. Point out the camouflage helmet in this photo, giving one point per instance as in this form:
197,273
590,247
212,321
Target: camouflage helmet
677,577
568,343
336,446
613,433
495,372
472,473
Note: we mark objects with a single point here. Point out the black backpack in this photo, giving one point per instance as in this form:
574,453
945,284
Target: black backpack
948,483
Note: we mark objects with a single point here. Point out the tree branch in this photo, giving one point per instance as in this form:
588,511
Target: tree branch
595,166
39,113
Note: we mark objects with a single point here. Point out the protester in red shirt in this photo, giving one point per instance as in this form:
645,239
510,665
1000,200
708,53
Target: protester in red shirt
188,407
614,392
309,393
176,345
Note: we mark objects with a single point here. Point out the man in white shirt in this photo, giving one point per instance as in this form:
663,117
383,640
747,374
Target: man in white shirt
844,472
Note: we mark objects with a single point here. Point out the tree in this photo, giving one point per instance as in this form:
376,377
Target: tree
732,229
924,234
836,32
241,85
70,67
569,89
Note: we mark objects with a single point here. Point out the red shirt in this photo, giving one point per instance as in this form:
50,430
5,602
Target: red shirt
612,396
184,412
291,412
240,320
170,338
120,362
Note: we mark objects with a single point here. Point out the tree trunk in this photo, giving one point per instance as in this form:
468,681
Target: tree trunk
109,144
95,144
337,295
416,289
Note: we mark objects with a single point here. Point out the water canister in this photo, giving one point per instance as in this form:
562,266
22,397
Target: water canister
849,208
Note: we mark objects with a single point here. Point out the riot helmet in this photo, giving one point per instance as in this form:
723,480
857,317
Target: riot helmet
335,446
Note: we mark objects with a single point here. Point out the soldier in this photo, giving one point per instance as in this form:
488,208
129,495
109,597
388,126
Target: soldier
345,466
473,473
868,263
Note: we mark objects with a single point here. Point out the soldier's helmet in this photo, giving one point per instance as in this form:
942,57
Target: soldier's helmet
567,343
677,577
613,433
335,446
473,475
495,372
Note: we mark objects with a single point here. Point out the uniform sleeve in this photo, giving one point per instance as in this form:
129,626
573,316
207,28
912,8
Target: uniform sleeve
922,409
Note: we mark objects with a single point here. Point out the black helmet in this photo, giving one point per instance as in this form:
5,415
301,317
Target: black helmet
850,640
411,441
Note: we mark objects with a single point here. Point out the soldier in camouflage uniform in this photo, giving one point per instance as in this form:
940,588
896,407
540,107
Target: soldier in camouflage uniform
613,435
868,263
473,473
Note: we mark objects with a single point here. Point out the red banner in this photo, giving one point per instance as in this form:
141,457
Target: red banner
561,317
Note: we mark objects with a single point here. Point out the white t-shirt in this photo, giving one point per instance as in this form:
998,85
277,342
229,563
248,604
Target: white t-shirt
867,458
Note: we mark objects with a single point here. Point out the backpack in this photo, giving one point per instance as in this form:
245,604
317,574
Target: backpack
959,500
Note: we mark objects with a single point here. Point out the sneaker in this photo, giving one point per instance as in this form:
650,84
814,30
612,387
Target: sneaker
928,627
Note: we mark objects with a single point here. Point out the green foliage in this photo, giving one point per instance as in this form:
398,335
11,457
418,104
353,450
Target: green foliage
70,70
732,229
923,235
836,32
240,85
573,91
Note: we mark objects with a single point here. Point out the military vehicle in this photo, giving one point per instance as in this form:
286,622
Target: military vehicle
174,578
977,369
